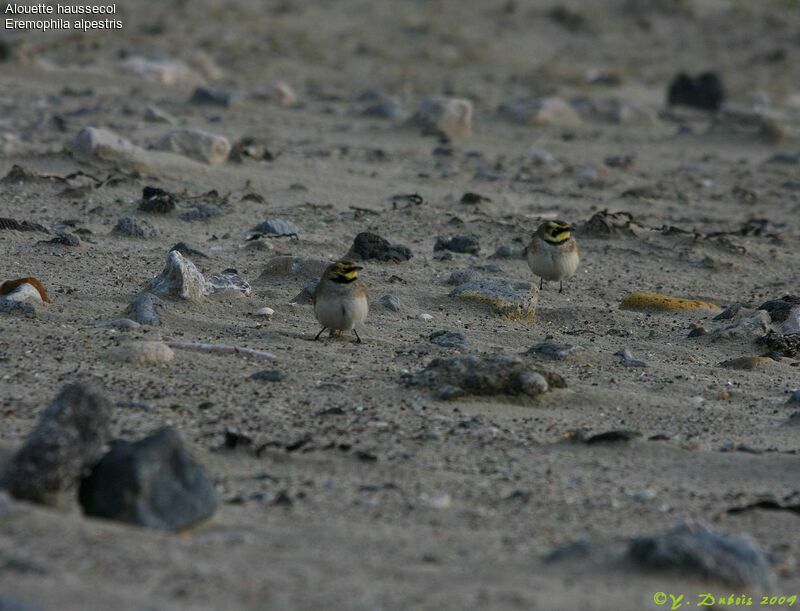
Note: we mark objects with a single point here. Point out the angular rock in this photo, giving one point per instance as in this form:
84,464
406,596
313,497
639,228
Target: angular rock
367,246
390,302
276,228
208,96
504,298
541,111
704,91
558,352
628,360
229,281
180,279
157,200
449,339
196,144
467,244
693,548
153,482
144,309
791,326
451,117
780,309
135,228
143,353
752,326
606,225
64,445
494,374
93,143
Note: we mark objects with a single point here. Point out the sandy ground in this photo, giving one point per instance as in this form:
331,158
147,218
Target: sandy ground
396,499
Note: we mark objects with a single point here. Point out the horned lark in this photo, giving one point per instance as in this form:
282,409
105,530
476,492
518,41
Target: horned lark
340,299
553,253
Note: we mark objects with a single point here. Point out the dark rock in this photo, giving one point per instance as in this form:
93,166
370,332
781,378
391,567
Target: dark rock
704,91
14,225
215,97
794,398
694,548
613,436
63,239
729,312
474,198
17,307
64,445
153,482
698,332
144,309
368,246
201,212
558,352
135,228
606,225
783,345
467,244
576,549
250,148
188,251
785,158
157,200
495,374
779,309
390,302
268,375
449,339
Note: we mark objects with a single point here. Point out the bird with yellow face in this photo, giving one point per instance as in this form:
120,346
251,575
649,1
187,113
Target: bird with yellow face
341,302
553,253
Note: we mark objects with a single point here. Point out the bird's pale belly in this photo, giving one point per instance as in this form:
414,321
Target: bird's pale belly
553,266
341,314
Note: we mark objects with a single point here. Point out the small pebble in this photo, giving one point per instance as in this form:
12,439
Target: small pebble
265,312
268,375
449,339
390,302
425,317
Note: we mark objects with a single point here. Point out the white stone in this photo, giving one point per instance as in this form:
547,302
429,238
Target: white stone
97,143
162,71
279,92
425,317
450,116
265,312
143,353
196,144
24,293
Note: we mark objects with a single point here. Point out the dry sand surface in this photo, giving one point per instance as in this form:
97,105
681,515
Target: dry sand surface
358,491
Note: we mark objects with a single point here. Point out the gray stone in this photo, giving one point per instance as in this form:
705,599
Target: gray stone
268,375
144,309
390,302
628,360
95,144
135,228
541,111
209,96
229,281
451,117
180,279
276,228
694,548
449,339
494,374
753,326
794,397
26,309
779,309
558,352
368,246
153,482
64,445
466,244
501,296
460,276
791,325
196,144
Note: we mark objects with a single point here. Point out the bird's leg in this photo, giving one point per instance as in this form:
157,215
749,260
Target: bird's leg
561,286
358,339
541,283
320,333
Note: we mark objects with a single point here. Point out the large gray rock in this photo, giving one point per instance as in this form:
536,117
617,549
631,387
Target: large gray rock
494,374
694,549
449,116
180,279
94,143
514,301
64,445
153,482
144,309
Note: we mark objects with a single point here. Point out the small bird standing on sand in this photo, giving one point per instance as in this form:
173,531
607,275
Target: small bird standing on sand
340,299
553,253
